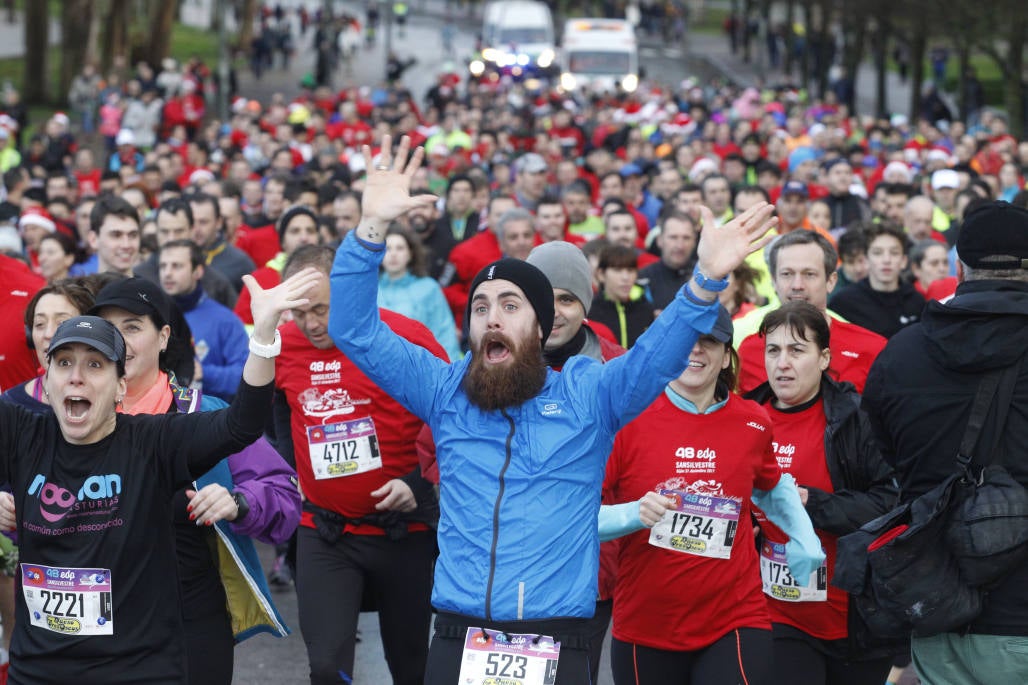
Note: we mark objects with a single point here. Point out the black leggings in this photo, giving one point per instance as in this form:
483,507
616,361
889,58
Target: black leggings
742,657
598,625
332,579
209,649
801,658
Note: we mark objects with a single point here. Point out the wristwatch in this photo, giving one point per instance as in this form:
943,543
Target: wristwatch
241,504
714,285
267,351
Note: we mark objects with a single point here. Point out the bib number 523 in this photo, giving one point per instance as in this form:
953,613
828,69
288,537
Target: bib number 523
506,665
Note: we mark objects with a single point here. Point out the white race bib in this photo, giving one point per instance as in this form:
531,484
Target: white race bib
779,584
703,525
343,449
492,657
70,601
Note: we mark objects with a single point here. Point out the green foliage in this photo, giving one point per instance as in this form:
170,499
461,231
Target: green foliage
12,69
187,41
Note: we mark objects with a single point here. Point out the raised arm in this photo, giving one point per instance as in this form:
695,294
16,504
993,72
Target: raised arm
635,379
404,370
209,437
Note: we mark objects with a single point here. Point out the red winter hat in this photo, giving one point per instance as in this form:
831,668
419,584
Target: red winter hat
37,216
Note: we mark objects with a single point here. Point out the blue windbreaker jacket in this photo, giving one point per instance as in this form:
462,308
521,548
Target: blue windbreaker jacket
519,488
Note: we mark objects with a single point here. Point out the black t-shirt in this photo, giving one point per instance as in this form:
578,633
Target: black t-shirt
9,211
106,508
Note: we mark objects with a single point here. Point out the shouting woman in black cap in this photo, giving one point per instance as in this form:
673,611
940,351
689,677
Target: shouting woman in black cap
93,490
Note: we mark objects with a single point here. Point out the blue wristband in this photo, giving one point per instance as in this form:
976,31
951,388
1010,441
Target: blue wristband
714,285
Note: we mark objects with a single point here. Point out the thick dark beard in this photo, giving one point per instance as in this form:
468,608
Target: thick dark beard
498,387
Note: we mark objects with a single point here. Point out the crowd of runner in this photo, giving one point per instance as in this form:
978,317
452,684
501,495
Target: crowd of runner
141,209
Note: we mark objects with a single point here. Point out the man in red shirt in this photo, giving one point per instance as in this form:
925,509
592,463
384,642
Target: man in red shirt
298,226
803,267
366,532
470,256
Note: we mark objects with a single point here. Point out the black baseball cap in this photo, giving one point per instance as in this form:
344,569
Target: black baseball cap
98,333
136,295
994,236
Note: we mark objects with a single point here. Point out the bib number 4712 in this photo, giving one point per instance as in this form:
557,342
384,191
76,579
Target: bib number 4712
343,450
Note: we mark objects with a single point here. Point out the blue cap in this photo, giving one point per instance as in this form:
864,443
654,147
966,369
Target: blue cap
631,169
799,156
795,188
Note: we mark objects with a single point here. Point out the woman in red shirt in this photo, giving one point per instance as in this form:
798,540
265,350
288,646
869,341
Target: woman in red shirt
688,597
824,441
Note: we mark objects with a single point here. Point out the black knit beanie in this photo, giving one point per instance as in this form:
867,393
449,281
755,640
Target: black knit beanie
532,282
289,215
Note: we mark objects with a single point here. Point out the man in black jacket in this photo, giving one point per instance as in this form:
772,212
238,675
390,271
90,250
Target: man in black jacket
918,397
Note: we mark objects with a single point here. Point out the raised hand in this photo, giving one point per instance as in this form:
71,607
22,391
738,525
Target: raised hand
387,188
723,248
267,305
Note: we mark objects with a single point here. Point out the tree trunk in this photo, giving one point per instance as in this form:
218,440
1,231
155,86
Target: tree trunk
747,11
246,17
964,62
115,42
825,47
789,38
162,20
854,52
1014,98
918,45
75,14
881,70
808,37
37,41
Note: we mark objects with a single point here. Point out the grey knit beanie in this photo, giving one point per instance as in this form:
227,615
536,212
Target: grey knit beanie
566,267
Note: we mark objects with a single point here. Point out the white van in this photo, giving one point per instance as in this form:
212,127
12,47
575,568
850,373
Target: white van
517,39
599,55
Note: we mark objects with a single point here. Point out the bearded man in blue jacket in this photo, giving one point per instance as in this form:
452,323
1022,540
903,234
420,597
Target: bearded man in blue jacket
521,448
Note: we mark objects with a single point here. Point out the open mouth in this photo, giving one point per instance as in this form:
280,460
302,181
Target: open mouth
697,365
76,408
496,352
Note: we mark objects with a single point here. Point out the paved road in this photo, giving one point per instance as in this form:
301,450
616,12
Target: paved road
266,660
423,41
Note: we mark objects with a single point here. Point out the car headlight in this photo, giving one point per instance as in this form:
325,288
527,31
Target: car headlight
546,58
630,83
491,55
477,67
523,60
567,81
